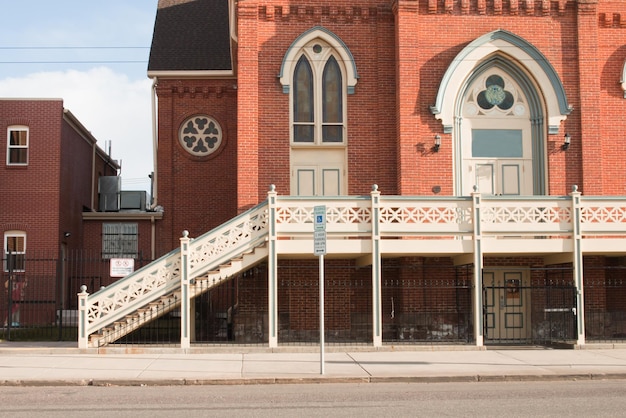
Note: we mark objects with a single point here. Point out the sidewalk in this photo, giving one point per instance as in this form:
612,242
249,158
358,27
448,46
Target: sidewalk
62,365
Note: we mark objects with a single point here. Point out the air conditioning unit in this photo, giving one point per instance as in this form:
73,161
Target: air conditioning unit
133,200
109,188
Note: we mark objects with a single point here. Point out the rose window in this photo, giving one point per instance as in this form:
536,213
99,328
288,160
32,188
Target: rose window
200,135
495,94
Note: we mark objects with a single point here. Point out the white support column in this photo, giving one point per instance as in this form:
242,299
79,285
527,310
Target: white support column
185,311
272,269
577,257
478,270
376,271
83,337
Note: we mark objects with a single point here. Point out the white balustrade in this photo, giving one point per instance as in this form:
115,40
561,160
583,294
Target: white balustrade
450,220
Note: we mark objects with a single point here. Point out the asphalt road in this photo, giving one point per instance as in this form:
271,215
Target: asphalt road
511,399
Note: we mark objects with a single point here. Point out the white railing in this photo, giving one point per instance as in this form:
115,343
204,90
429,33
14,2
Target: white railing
460,218
603,216
526,215
163,276
402,216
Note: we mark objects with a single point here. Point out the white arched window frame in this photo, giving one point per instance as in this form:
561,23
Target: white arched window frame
318,99
326,75
323,34
312,57
514,47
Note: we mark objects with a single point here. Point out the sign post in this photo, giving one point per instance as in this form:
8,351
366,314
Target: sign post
319,244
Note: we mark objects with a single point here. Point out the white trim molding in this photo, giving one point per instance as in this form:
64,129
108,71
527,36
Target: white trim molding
318,32
511,47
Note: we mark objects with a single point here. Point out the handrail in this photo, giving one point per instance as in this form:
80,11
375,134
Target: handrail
162,276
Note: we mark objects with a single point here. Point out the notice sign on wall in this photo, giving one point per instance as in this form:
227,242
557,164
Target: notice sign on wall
121,267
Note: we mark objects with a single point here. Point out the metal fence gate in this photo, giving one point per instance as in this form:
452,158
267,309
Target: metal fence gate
540,311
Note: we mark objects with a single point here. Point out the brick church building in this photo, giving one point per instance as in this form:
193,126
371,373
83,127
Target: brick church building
468,155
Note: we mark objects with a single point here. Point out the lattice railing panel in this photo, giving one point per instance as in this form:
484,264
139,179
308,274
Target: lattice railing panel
553,216
425,215
347,216
224,243
445,217
603,217
128,294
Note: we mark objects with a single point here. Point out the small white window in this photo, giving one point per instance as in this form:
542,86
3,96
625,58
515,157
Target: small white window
14,250
17,145
119,240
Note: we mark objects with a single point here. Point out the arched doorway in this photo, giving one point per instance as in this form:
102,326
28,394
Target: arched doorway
518,68
500,140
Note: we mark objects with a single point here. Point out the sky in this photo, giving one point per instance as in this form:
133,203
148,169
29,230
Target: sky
94,56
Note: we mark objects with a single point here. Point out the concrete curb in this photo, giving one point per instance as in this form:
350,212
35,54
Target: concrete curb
314,380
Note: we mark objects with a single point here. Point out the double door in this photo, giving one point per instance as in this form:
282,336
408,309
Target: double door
318,172
498,162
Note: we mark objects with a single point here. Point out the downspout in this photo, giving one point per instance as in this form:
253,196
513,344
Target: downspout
155,145
93,177
152,238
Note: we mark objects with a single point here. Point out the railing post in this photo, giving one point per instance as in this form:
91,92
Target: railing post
272,269
185,327
577,258
83,337
478,268
376,270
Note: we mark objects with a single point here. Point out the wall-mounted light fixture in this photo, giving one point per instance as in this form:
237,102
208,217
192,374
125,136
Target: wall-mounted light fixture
566,140
437,143
67,234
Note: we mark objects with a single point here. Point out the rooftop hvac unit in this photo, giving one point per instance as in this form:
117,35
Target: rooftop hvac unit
133,200
109,188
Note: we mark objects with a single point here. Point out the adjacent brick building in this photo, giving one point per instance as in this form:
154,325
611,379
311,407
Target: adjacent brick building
53,237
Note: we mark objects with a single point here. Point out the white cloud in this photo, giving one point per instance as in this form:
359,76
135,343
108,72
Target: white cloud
109,104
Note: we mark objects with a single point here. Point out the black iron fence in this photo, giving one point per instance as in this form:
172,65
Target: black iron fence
39,300
427,304
420,304
605,305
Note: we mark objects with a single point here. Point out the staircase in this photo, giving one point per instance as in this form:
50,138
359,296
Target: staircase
155,289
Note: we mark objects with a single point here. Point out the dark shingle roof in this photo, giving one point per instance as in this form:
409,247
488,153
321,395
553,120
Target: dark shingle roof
191,36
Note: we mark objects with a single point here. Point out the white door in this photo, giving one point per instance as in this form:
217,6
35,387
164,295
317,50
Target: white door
317,180
501,177
317,172
498,162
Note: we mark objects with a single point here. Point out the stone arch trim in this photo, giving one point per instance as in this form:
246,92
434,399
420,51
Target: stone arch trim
289,61
509,45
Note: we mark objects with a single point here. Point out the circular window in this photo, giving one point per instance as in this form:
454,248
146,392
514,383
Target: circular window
200,135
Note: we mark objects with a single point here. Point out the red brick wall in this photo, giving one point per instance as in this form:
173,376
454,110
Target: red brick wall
34,189
75,195
390,127
367,30
197,194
